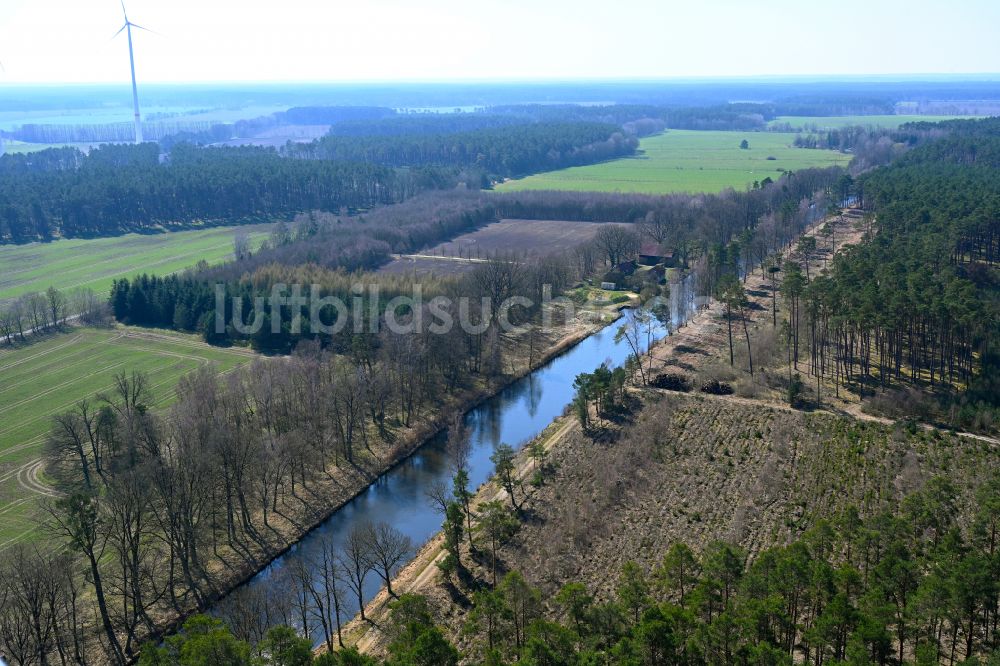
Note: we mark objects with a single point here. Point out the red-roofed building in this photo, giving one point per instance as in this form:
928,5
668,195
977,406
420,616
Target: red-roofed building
651,254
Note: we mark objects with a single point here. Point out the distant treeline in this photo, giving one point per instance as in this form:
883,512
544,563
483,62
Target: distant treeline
425,123
174,131
843,138
858,138
633,120
617,114
329,115
383,121
719,117
500,151
834,105
121,188
638,119
462,94
957,126
301,115
96,133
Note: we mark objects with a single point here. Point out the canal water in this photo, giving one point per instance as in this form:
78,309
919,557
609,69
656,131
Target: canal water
514,416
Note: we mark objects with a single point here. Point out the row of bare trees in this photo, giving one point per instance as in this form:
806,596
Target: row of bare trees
316,590
43,611
161,507
40,312
32,312
158,505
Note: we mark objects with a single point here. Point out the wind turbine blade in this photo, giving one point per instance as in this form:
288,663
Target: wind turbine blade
123,11
136,25
119,31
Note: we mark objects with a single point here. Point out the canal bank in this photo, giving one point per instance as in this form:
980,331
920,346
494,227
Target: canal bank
429,436
514,415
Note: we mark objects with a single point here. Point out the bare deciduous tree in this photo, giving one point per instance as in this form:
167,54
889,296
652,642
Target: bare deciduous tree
356,560
41,611
56,302
439,496
655,226
241,245
329,599
616,242
387,548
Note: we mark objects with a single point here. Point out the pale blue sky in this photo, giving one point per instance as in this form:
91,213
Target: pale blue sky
359,40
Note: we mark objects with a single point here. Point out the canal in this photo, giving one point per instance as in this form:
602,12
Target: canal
513,416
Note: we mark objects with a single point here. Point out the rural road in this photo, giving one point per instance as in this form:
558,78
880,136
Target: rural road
31,331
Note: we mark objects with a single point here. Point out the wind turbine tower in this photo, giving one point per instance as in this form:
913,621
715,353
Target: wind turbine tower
131,61
4,70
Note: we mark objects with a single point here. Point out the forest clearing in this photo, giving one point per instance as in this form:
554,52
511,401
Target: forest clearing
690,469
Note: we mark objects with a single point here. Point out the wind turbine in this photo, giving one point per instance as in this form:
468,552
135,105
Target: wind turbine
131,61
2,149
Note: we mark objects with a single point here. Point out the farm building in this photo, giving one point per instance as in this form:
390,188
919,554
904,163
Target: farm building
651,254
626,267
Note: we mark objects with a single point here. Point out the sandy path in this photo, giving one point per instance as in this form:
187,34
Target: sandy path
461,260
422,571
27,478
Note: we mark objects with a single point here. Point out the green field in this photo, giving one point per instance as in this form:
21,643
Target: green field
687,161
54,373
834,122
95,262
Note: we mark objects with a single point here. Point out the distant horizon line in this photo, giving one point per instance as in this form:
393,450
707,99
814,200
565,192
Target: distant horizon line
714,78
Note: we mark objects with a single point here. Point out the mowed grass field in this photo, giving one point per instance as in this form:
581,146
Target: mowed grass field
51,375
687,161
835,122
95,262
